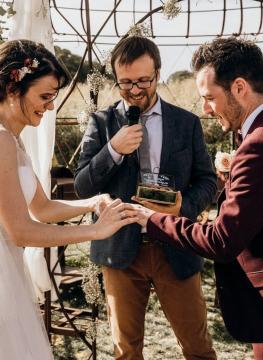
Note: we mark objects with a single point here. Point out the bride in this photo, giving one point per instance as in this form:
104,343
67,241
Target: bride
30,78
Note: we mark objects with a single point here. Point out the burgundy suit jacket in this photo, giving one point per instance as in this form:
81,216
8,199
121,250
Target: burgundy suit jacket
234,240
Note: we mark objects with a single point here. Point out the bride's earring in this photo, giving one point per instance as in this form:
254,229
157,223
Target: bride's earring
11,102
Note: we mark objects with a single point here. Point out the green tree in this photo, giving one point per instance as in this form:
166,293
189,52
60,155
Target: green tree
216,139
72,61
179,76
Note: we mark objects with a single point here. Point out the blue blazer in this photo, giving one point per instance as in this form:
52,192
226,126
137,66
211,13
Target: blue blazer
183,155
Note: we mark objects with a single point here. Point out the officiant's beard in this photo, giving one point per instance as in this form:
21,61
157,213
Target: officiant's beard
144,100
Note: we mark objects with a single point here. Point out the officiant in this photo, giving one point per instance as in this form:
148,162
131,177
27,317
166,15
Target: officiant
115,150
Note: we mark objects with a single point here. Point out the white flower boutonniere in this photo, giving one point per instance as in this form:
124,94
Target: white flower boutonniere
223,160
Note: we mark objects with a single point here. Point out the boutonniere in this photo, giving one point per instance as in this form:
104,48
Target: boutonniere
223,160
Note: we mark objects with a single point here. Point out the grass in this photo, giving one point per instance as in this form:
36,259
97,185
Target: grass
160,342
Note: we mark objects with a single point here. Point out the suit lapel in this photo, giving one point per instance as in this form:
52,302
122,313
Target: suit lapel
169,134
120,114
256,123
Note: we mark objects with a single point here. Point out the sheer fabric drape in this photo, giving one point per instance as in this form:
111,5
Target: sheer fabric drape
32,21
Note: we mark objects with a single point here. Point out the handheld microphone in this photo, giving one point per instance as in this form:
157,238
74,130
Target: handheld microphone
133,115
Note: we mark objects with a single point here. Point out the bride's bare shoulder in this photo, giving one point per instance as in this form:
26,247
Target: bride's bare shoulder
5,134
7,144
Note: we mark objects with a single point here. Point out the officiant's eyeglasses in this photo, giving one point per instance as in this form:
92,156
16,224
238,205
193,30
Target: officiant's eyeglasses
141,84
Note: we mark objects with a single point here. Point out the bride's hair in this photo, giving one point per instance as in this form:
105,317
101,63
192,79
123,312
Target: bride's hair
22,62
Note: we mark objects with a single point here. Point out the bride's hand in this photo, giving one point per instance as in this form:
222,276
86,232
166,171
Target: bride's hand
94,204
113,217
166,209
101,201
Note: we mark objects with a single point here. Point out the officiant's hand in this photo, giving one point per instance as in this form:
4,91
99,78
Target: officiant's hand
127,139
166,209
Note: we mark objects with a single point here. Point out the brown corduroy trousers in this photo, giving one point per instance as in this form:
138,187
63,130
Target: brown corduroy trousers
127,294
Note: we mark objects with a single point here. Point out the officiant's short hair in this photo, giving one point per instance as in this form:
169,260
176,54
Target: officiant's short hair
131,48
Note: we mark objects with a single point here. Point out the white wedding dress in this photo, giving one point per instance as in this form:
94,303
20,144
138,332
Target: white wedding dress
22,332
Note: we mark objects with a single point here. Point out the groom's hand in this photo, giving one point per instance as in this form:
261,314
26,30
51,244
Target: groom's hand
142,213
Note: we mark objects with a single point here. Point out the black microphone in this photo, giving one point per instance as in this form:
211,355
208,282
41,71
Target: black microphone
133,115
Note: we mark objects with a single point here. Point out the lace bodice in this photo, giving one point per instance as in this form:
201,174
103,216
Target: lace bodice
26,174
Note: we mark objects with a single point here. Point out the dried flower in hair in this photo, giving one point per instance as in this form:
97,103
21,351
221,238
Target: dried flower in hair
171,9
14,75
27,62
34,64
29,66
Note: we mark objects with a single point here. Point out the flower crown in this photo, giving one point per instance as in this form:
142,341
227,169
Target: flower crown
28,68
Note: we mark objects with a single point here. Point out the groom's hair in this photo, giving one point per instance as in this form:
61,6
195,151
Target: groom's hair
231,58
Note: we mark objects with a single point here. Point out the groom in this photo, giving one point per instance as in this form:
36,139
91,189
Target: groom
229,77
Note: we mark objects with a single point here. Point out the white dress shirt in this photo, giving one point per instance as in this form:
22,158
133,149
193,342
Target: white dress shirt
249,121
155,135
